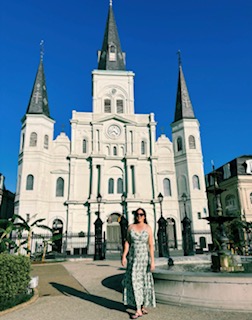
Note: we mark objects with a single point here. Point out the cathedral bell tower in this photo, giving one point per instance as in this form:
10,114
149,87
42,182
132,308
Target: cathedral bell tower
189,162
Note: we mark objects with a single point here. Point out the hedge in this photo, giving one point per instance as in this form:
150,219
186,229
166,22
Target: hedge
14,279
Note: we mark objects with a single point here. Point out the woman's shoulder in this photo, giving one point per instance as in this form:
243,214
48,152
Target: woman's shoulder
130,226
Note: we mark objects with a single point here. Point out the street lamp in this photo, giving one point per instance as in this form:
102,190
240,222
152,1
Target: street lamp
99,199
99,247
160,199
187,232
184,199
123,221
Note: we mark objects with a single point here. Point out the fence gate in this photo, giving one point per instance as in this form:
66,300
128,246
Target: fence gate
113,242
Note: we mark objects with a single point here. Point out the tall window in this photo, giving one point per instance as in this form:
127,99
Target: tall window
143,147
115,151
119,106
251,197
84,146
167,187
196,183
179,144
107,106
33,139
23,141
60,187
112,53
120,185
111,186
133,179
29,182
230,203
192,144
46,141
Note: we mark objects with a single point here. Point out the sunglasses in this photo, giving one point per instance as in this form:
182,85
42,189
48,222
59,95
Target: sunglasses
140,214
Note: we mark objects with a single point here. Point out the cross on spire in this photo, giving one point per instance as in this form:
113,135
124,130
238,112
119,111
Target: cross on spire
42,52
111,2
179,57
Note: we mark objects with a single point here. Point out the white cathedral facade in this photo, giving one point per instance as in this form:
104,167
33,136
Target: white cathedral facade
112,151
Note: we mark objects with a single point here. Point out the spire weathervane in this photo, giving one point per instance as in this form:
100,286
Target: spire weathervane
179,57
42,50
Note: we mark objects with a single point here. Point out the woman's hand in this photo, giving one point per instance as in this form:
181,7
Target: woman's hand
152,266
124,261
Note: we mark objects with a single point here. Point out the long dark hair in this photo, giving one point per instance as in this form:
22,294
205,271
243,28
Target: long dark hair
135,216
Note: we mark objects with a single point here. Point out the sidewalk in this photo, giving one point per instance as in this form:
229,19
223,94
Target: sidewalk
90,289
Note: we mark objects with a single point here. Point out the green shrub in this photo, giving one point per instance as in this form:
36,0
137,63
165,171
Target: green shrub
14,279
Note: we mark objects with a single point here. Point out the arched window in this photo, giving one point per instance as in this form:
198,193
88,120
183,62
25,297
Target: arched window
60,187
33,139
112,53
23,141
115,151
119,106
46,141
196,183
167,187
192,144
111,186
107,106
230,203
251,197
84,146
29,182
143,147
179,144
120,185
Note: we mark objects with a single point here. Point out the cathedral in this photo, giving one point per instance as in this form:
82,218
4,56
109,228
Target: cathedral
113,163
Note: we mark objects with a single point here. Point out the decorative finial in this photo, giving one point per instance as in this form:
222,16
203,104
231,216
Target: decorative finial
42,50
179,57
111,2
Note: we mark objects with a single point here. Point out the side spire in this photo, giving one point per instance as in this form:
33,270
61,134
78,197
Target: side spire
38,103
184,109
111,56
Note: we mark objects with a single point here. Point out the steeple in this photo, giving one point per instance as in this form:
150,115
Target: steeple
111,56
184,109
38,103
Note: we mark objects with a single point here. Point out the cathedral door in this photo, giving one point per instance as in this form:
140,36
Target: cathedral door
113,241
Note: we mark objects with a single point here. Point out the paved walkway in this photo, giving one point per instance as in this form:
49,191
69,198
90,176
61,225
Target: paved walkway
90,289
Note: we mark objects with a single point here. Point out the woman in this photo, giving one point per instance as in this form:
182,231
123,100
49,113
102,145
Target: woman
138,282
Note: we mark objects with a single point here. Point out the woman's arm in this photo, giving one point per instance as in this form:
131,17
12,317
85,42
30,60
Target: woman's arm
151,249
125,249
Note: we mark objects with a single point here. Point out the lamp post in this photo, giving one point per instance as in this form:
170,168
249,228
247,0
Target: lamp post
187,232
163,248
99,254
123,221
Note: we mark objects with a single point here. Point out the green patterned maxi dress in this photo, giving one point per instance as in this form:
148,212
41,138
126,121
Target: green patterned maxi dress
138,281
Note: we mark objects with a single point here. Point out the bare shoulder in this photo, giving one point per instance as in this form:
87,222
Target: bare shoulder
148,228
130,227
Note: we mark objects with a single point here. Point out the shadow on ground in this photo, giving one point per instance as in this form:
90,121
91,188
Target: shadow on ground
104,302
114,282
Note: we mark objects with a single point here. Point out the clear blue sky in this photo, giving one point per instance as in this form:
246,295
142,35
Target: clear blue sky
214,36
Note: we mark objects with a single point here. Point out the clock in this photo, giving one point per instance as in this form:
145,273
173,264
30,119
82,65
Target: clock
114,131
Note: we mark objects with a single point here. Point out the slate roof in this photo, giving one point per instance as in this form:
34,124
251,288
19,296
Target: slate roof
111,37
38,103
184,109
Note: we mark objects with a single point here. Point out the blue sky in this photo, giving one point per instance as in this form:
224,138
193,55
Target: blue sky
214,36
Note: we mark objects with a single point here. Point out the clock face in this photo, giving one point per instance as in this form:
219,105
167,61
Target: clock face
114,131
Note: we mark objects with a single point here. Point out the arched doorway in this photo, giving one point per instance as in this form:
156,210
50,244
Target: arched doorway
57,229
171,231
113,241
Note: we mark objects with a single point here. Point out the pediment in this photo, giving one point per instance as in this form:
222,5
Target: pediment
114,117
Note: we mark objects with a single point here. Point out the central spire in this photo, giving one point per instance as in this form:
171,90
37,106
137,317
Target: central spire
111,56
